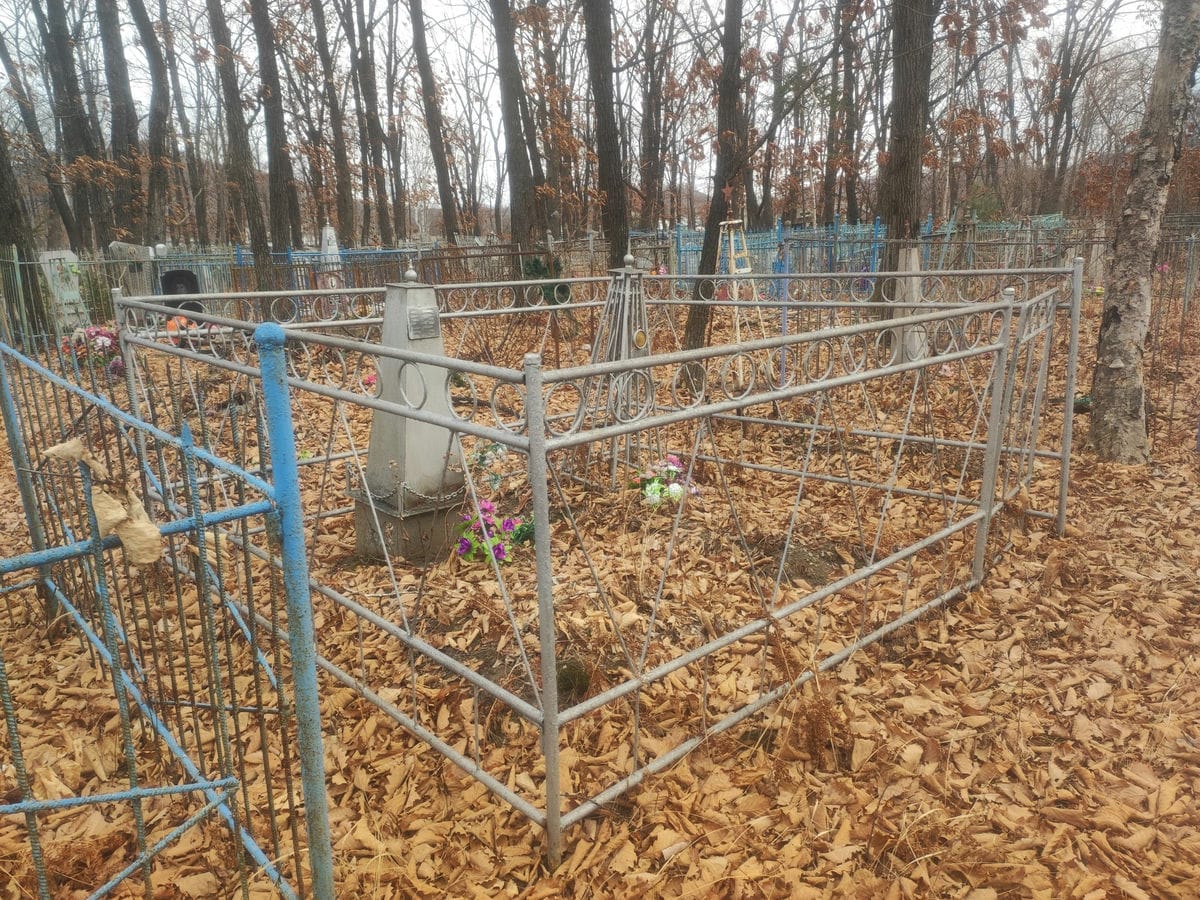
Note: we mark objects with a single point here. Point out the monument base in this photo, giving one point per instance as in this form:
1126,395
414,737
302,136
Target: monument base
418,537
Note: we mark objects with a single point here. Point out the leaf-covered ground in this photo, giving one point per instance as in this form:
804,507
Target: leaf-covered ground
1040,738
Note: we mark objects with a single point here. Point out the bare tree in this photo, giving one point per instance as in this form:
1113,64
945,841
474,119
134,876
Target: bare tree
239,158
51,165
725,173
129,199
433,121
1118,429
344,187
597,22
522,205
158,177
899,204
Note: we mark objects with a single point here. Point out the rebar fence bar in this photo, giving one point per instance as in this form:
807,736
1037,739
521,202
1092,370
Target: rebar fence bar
206,726
650,544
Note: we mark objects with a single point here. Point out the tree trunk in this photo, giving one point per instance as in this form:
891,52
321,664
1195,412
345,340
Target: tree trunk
520,173
597,25
433,122
283,205
130,201
239,160
51,165
344,189
80,142
900,179
158,182
14,226
1118,430
195,176
372,137
14,217
725,174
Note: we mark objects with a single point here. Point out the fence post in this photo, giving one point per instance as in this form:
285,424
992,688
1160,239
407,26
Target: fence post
1064,472
21,467
997,419
285,477
535,417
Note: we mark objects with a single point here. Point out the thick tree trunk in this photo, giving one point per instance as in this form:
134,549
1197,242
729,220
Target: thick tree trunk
14,217
520,173
283,206
359,32
1118,430
130,201
597,25
433,122
239,160
728,162
158,182
651,163
14,225
899,203
81,142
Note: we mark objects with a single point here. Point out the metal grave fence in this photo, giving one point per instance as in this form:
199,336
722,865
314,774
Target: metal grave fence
679,538
203,730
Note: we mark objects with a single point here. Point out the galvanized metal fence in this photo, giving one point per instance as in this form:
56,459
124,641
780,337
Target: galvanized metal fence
708,529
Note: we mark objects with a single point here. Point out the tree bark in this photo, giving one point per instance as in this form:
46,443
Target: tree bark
195,176
725,173
1118,430
344,189
283,205
900,179
52,167
597,24
158,182
14,217
81,143
239,160
520,172
130,201
433,121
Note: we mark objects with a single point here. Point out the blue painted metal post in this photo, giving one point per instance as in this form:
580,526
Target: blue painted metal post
237,254
22,469
285,476
875,246
678,248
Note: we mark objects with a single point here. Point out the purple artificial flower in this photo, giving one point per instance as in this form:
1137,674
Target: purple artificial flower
464,546
116,368
673,461
487,506
498,551
509,524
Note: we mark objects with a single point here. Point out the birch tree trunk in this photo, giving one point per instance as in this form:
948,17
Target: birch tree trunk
1118,431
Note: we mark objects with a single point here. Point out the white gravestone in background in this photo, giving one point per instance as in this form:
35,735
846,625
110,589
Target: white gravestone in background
61,268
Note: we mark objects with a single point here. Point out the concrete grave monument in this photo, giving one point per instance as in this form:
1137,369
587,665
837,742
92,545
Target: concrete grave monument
414,486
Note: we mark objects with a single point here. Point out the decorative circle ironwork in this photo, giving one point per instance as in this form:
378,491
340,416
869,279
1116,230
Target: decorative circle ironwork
630,395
